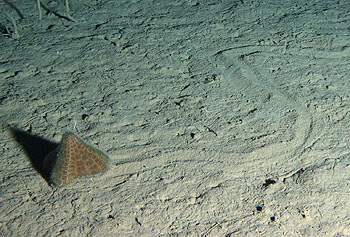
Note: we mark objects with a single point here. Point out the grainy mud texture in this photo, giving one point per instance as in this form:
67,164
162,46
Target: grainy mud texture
221,118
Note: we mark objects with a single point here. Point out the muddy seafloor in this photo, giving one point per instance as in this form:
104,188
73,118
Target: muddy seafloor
221,118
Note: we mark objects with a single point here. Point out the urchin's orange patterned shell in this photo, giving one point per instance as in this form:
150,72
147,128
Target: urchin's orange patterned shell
75,159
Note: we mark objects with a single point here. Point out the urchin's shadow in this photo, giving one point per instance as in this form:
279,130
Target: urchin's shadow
36,149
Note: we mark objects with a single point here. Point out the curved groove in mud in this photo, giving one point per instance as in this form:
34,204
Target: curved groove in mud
228,62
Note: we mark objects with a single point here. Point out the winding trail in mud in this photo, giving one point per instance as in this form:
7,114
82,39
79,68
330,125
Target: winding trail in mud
231,61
